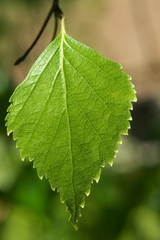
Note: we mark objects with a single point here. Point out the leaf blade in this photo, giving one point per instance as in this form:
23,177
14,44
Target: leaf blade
68,116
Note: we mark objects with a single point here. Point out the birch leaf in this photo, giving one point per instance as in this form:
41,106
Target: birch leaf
68,116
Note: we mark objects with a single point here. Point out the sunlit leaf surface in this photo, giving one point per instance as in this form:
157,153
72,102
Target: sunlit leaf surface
68,116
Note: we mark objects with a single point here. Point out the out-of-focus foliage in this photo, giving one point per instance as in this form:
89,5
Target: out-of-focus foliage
9,169
126,203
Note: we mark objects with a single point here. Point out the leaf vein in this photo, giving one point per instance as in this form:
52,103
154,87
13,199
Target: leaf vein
49,96
68,118
36,83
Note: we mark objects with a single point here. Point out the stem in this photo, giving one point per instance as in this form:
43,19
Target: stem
58,15
63,24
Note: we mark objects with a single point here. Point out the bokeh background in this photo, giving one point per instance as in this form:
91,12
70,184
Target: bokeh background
125,205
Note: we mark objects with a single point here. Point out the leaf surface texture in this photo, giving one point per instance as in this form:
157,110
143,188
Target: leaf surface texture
68,116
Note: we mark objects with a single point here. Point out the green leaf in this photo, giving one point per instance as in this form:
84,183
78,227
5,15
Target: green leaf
68,116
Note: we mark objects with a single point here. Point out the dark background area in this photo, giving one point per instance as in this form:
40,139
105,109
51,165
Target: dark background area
125,204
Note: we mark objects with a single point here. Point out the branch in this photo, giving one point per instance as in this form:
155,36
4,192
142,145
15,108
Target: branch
55,9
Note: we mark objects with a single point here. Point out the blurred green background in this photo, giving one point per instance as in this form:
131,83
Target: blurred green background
125,205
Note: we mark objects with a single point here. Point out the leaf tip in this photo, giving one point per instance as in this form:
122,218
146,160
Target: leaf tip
87,193
8,133
111,163
97,176
82,204
75,226
41,178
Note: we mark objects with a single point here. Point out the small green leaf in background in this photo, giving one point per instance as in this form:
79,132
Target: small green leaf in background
68,116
